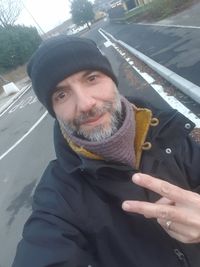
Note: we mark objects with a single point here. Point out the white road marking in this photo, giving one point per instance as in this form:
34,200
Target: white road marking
28,87
27,101
107,39
171,100
170,25
107,44
174,103
24,136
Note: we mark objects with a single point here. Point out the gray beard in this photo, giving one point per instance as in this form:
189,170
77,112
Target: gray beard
100,132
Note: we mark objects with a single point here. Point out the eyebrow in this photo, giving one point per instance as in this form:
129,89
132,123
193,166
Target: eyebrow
59,88
88,72
85,74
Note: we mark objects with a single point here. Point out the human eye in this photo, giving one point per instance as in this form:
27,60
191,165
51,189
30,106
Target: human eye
92,77
61,96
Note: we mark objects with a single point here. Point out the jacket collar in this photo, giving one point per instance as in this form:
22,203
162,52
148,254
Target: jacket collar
143,120
166,122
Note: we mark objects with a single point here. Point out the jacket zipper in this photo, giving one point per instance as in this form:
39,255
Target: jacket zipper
181,257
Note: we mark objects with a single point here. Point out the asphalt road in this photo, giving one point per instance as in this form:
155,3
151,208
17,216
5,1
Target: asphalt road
176,48
130,82
22,166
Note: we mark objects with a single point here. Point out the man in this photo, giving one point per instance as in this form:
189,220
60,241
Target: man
81,216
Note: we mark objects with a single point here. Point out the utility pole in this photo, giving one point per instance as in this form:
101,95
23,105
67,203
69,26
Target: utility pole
42,31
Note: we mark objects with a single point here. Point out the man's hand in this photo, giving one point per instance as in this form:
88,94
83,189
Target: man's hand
177,211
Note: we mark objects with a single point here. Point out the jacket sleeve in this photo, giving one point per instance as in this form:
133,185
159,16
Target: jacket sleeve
51,236
191,160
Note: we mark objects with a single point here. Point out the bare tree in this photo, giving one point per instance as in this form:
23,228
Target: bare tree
9,11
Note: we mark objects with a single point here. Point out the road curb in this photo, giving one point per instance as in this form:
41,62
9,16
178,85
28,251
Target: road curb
190,89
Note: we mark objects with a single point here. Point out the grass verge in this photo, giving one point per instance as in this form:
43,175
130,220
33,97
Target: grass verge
156,10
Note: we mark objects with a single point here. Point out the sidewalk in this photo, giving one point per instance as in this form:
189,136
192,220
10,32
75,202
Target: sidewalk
188,17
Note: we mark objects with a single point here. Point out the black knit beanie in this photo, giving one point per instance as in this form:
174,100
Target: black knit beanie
59,57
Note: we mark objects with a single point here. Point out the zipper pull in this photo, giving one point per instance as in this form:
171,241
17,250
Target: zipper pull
181,257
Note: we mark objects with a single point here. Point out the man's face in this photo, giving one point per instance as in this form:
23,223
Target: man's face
88,104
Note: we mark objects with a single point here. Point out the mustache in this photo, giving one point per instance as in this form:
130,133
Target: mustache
93,113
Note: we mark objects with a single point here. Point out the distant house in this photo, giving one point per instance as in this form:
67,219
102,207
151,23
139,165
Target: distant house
102,5
64,28
142,2
119,7
68,27
106,5
129,4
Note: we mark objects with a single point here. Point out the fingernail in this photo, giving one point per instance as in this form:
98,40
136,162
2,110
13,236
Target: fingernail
136,177
126,206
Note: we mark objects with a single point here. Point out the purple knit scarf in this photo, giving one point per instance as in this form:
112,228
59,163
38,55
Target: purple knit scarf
120,146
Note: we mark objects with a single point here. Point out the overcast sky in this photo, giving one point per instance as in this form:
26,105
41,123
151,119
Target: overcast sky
47,13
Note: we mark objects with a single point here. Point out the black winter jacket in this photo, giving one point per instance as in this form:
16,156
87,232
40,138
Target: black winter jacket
77,219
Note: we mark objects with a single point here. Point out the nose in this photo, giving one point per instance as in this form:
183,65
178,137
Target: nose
84,100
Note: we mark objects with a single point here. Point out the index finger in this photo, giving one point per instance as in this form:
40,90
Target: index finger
165,189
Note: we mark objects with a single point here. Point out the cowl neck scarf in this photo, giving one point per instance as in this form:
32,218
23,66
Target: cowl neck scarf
117,148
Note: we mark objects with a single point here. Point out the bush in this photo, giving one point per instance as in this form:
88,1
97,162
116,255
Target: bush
17,44
156,10
159,9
